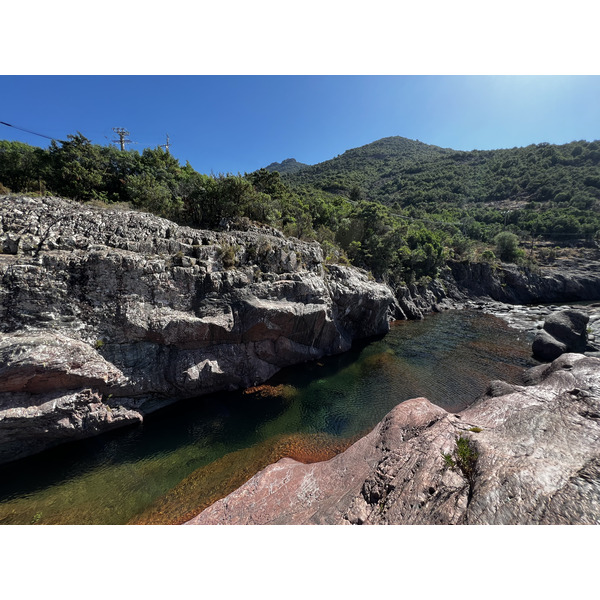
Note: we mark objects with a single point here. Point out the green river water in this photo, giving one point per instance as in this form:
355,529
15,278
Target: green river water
186,456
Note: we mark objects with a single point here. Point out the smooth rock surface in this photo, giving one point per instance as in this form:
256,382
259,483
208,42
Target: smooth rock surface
569,327
538,462
563,331
545,347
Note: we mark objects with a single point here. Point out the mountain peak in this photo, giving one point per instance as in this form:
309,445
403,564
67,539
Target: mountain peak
289,165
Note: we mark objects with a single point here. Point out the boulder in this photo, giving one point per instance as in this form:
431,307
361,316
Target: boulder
563,331
569,327
546,348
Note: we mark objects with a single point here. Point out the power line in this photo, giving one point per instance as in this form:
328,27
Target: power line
27,130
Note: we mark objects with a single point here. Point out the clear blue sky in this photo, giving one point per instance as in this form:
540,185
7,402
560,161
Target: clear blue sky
241,123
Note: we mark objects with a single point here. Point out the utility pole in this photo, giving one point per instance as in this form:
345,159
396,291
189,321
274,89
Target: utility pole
122,133
166,146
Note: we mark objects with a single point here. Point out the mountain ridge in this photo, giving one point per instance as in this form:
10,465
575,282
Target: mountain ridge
399,171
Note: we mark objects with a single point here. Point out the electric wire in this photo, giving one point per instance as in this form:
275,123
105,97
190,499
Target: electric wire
27,130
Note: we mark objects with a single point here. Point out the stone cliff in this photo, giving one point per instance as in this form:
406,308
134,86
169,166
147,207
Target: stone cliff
462,283
566,282
520,455
106,315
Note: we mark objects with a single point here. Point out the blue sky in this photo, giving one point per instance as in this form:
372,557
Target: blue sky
240,123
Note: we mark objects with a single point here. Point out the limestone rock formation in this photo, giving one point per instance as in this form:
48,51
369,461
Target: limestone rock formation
132,312
519,455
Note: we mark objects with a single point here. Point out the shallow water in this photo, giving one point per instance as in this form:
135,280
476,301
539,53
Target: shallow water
188,455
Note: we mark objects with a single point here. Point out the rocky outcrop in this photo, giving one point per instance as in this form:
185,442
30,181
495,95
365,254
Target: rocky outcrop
519,455
132,311
417,300
521,285
485,286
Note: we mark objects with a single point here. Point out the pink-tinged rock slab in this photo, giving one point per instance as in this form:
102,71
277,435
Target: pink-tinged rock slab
537,461
291,492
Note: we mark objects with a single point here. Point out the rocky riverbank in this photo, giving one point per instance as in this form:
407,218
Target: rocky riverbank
519,455
504,288
107,315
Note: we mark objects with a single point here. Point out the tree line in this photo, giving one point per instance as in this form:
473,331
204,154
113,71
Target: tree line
398,239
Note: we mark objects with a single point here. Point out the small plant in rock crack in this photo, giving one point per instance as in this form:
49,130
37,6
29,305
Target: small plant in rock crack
450,462
227,253
464,457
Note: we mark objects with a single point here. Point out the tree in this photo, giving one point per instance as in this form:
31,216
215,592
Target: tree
507,246
78,169
22,167
152,195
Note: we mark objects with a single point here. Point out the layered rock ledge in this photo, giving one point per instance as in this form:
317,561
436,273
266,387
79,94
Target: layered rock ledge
106,315
520,455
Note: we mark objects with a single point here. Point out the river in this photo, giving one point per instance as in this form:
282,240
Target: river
186,456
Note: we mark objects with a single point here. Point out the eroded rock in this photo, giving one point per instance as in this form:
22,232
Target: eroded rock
563,331
122,304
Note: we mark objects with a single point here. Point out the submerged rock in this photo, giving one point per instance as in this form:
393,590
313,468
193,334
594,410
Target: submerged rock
519,455
128,309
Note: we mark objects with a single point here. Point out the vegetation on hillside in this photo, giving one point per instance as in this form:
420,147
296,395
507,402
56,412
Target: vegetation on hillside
397,207
543,189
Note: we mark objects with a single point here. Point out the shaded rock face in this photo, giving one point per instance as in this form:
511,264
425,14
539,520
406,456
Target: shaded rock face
138,311
516,285
532,457
564,331
481,285
415,301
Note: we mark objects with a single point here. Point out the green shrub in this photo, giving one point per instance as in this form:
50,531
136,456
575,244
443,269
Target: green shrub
466,456
488,256
448,460
507,247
